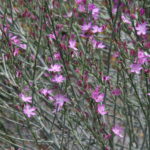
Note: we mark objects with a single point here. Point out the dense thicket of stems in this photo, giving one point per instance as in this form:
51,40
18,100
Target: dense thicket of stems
74,75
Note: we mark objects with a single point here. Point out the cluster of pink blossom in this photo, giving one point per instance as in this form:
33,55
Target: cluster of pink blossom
141,30
16,41
89,30
28,110
58,99
99,97
143,58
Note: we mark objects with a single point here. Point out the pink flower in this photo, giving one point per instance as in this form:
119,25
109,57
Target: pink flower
55,68
100,98
141,28
125,19
16,52
136,68
23,46
97,29
81,8
45,92
116,92
29,111
72,44
57,56
9,19
106,78
117,130
94,43
80,2
18,74
141,54
95,93
52,36
95,13
142,11
86,27
100,45
97,44
142,57
15,40
58,79
51,98
91,7
59,101
114,10
24,98
101,109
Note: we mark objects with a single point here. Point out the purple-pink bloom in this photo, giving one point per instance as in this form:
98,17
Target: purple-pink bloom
97,44
125,19
45,92
80,2
142,11
142,57
86,27
51,98
116,92
15,40
81,8
95,93
23,46
100,98
118,130
94,43
114,10
91,7
101,109
100,45
96,29
55,68
57,56
136,68
58,79
24,98
141,28
16,52
29,111
95,13
59,101
52,36
72,44
106,78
